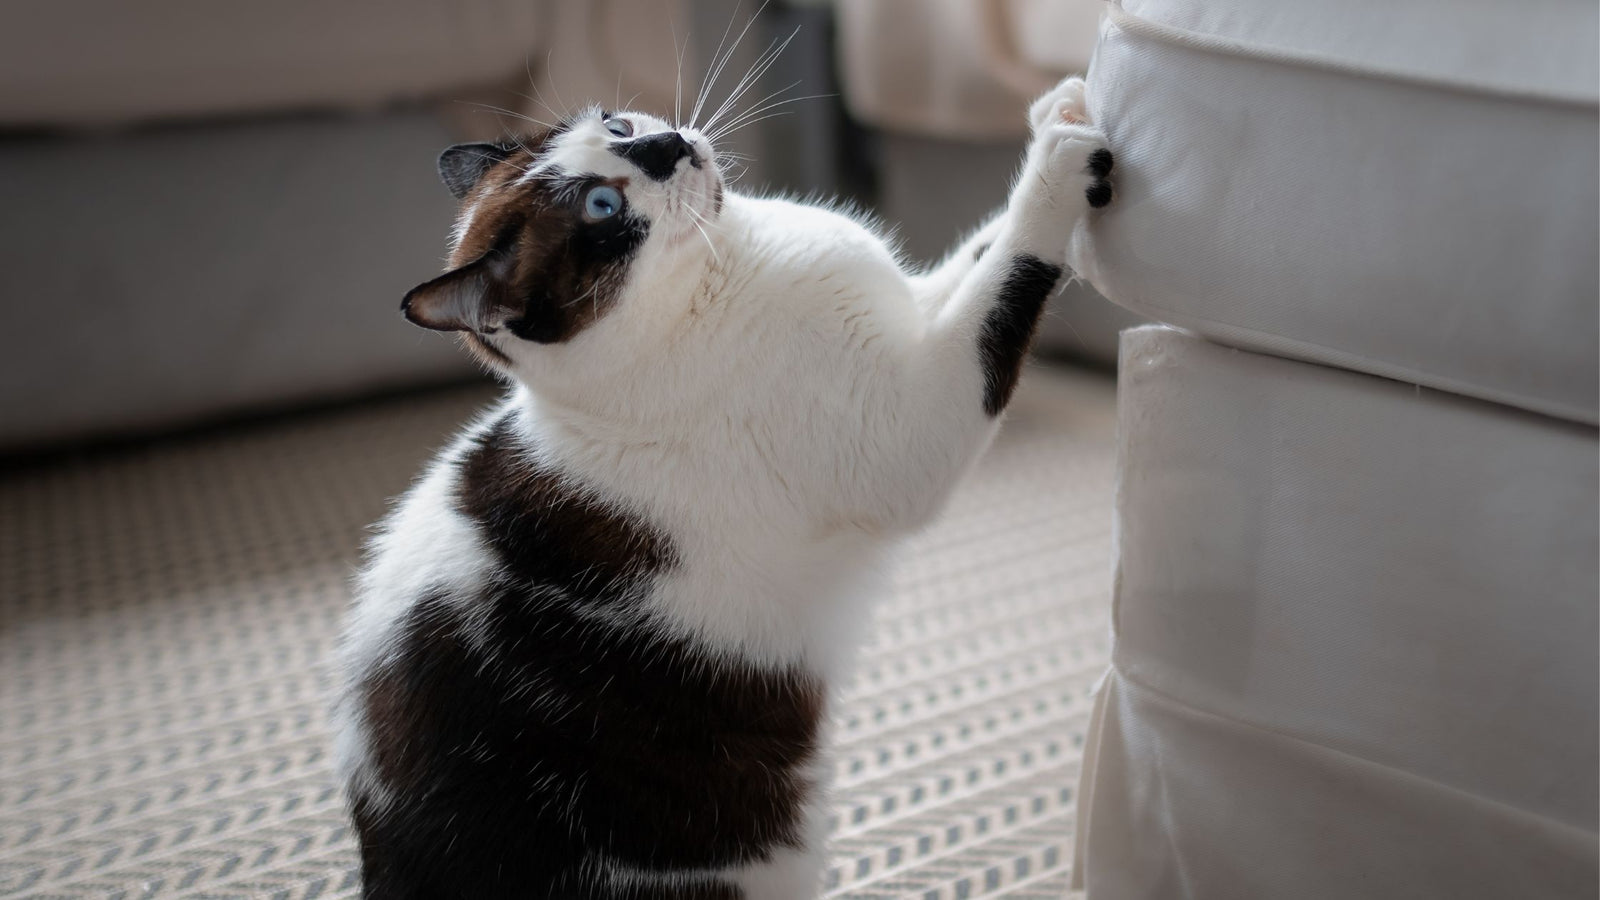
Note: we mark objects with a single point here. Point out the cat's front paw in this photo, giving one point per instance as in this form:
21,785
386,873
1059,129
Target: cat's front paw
1065,104
1099,191
1066,162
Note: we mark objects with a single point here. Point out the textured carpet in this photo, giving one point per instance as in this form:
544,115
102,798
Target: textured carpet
166,613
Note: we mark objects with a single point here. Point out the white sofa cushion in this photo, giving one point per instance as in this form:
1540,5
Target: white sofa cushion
1356,640
1404,189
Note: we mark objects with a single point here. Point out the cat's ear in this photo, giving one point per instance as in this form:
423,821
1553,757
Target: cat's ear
463,299
462,166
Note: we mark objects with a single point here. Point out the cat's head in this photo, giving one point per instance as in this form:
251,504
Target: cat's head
553,228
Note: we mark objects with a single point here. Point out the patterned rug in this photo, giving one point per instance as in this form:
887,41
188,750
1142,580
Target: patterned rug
166,613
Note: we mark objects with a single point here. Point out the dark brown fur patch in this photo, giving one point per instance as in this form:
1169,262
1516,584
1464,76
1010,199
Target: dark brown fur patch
548,530
530,265
567,270
528,742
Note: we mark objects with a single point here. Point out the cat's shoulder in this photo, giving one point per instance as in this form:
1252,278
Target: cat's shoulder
819,249
803,223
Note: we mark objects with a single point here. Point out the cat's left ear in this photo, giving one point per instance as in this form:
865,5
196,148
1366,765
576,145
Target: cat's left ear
461,167
469,298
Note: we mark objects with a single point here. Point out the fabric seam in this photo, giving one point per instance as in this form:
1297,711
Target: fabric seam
1576,831
1171,34
1292,349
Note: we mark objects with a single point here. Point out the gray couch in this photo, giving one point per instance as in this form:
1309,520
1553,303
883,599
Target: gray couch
214,209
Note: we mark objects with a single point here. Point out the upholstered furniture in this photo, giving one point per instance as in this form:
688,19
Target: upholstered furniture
1355,580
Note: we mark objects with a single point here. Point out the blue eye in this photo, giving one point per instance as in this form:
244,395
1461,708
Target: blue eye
602,202
619,127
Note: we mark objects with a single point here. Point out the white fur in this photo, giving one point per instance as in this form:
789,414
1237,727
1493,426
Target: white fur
775,393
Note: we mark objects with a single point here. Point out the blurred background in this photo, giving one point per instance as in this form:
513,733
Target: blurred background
212,211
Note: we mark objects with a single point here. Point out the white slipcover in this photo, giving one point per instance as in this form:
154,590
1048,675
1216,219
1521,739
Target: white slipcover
1356,628
1403,189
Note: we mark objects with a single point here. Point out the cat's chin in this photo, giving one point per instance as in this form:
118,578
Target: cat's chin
686,237
695,217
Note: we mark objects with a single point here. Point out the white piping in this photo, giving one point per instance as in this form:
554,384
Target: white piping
1212,43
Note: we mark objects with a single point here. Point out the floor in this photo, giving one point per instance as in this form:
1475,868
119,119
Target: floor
166,613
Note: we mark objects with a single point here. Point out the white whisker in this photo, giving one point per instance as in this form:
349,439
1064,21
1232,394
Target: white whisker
710,124
746,118
583,296
512,113
549,75
720,64
696,219
752,77
768,98
711,69
677,85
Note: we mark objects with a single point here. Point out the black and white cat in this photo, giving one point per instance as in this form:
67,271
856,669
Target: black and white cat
593,649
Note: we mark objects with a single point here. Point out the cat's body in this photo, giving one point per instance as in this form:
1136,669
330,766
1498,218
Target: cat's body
593,650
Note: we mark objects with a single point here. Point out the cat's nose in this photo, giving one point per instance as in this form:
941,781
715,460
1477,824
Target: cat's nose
656,154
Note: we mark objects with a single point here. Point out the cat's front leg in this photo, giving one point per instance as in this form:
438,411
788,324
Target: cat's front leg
1066,173
997,304
1066,104
967,366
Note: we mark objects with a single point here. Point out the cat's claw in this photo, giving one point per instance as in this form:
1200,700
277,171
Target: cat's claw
1065,104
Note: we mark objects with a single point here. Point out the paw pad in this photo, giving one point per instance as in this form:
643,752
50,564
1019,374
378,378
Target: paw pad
1099,192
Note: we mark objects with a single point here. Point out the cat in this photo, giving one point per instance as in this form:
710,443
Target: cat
593,647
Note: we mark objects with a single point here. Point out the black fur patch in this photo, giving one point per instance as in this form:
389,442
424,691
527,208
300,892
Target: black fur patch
569,269
1099,192
1100,162
549,531
1009,327
530,742
462,166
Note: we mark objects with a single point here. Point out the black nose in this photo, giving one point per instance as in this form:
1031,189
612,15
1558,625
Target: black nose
656,154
